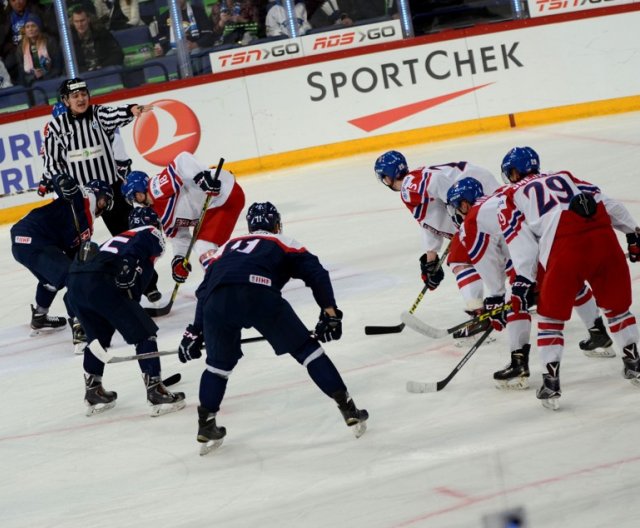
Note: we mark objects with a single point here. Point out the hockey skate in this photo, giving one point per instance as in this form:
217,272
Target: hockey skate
631,361
353,417
44,322
549,393
209,434
515,376
96,397
79,337
161,400
598,344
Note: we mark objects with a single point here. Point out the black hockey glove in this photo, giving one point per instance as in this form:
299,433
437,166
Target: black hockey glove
432,272
191,344
494,306
45,186
207,183
328,327
180,269
128,273
633,244
523,295
66,186
124,168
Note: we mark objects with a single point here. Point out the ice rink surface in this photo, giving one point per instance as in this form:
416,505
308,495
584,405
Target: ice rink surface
440,460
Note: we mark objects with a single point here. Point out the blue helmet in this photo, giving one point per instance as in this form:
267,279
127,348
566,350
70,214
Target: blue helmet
392,164
58,109
143,216
523,159
101,189
468,189
135,182
263,217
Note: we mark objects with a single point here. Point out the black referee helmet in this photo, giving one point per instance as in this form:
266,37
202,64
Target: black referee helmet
72,85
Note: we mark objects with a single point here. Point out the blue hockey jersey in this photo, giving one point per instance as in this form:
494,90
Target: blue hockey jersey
268,260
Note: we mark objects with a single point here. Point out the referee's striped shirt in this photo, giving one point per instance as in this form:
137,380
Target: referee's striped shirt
82,146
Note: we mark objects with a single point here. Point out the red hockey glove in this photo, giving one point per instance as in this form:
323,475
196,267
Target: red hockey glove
180,269
208,183
45,186
494,306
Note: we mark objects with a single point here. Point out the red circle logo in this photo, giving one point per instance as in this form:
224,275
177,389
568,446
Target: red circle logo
170,129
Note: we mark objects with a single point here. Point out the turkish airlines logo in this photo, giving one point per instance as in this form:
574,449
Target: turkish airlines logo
170,129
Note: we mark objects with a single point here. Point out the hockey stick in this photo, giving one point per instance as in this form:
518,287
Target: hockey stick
164,310
172,380
431,331
419,386
396,329
106,357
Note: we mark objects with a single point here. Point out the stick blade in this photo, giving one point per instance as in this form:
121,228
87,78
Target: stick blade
379,330
172,380
421,327
159,312
419,387
99,352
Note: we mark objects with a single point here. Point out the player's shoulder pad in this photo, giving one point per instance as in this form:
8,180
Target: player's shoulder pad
288,244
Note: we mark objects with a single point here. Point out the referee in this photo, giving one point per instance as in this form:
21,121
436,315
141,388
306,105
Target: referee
80,142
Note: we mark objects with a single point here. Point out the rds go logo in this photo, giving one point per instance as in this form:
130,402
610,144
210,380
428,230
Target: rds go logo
170,129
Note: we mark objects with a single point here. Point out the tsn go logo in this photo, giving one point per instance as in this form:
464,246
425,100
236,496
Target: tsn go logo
257,55
346,39
292,48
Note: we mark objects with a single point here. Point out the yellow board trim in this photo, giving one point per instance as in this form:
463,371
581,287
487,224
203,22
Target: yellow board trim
405,138
435,133
15,213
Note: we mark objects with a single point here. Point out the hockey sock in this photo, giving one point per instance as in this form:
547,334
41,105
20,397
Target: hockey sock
586,307
624,329
45,293
325,374
212,389
550,340
470,286
151,366
91,364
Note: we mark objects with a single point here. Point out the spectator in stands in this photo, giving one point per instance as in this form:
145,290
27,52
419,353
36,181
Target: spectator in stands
331,12
11,31
346,12
276,21
5,78
39,56
118,14
197,28
217,25
235,22
95,47
87,4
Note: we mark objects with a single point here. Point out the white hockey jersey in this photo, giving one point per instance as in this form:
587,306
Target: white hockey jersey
424,192
531,211
178,200
481,235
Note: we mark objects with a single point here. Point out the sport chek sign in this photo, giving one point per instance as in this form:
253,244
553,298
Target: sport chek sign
328,41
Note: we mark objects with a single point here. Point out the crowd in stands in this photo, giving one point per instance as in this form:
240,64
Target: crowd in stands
30,49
